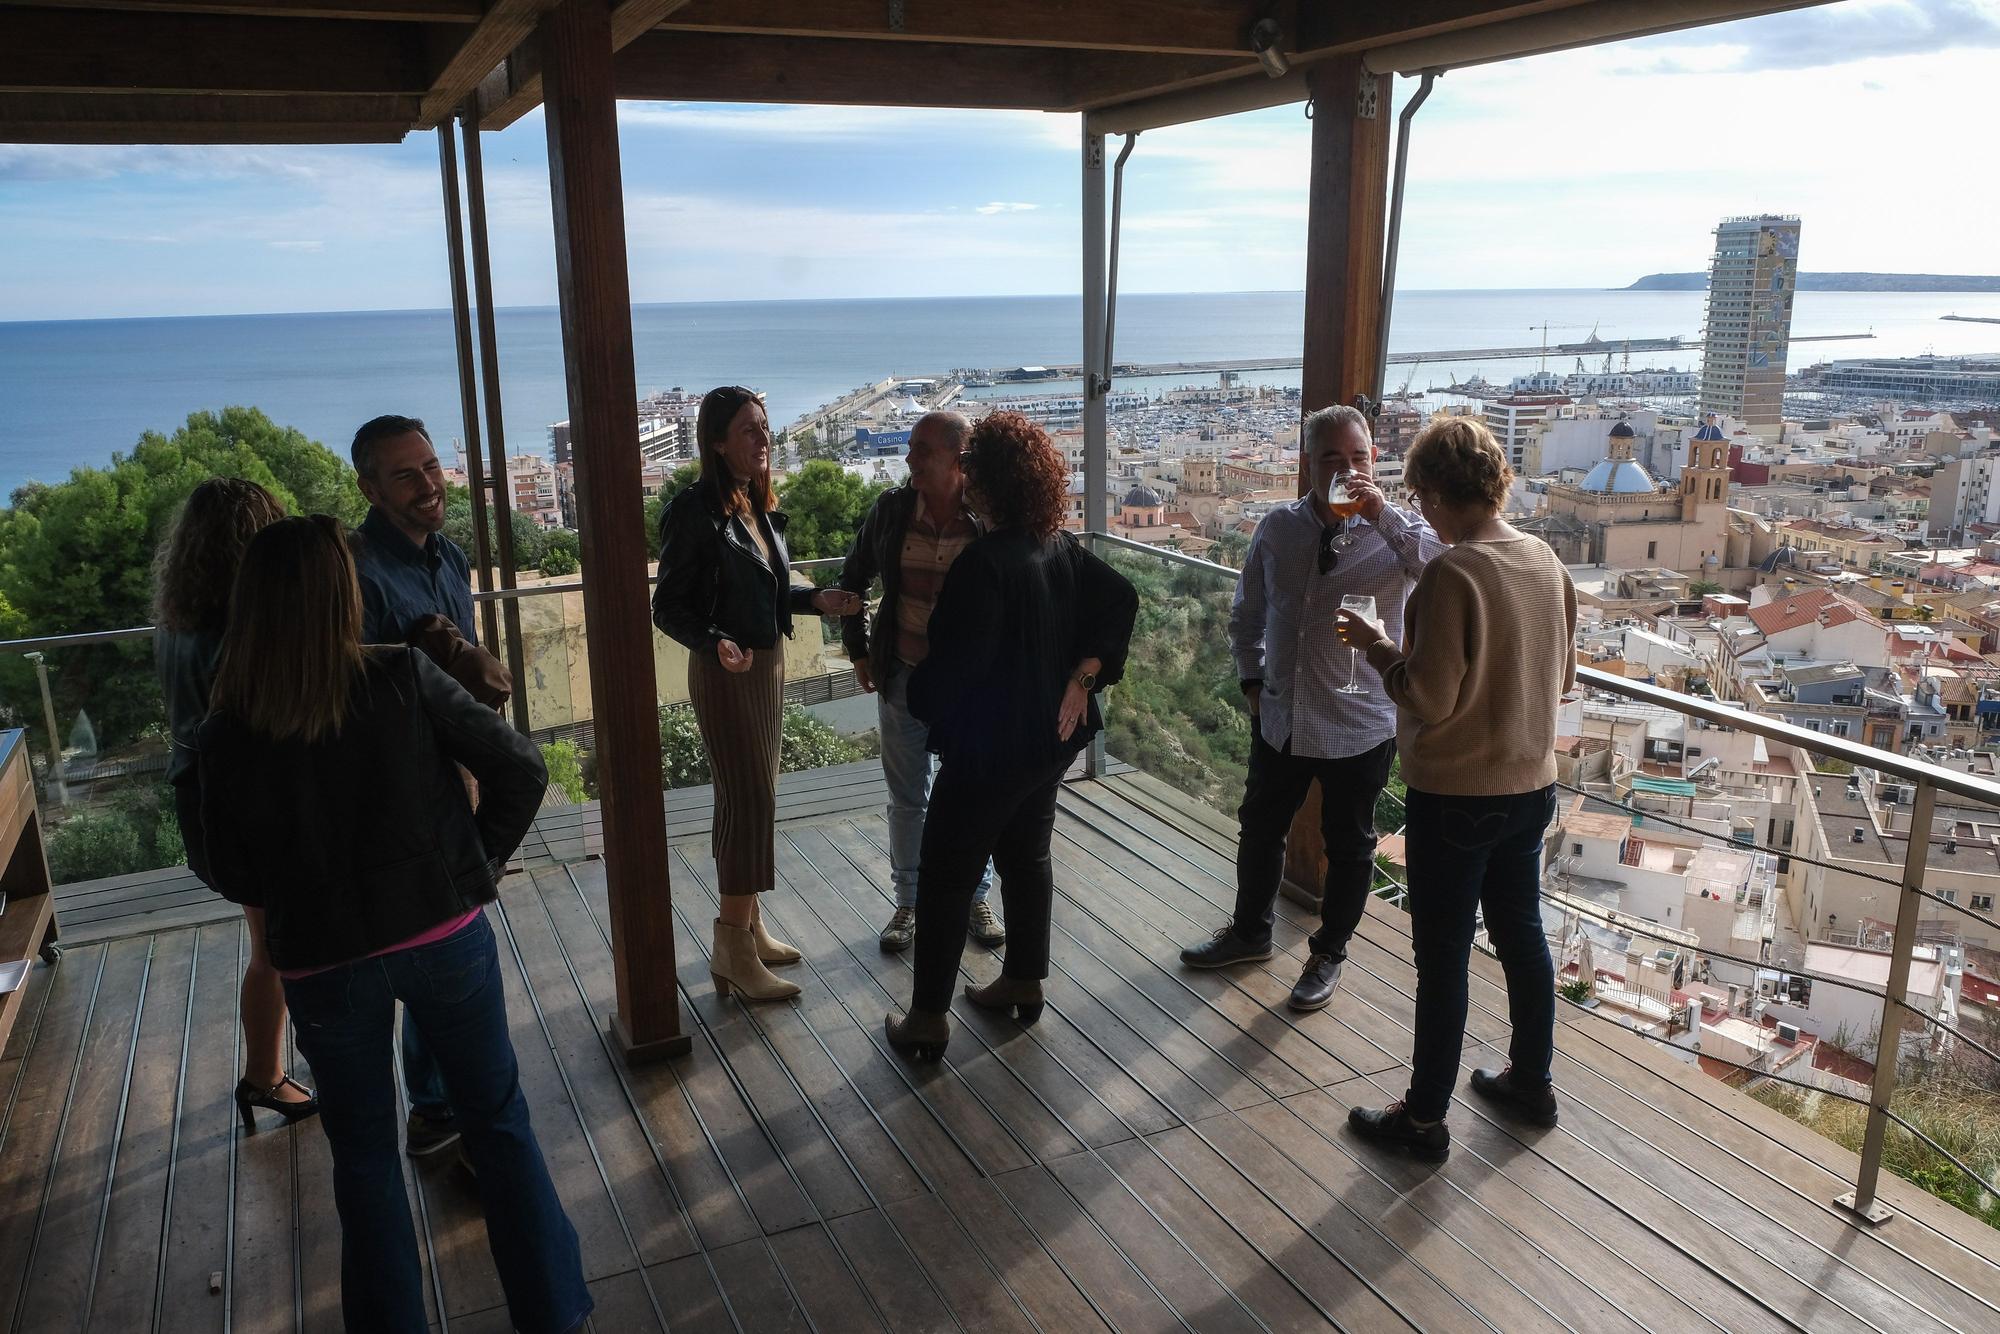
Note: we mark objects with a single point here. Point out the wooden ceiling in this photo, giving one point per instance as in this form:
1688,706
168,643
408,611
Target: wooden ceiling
366,71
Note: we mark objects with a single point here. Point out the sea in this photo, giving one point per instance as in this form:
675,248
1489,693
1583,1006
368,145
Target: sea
74,392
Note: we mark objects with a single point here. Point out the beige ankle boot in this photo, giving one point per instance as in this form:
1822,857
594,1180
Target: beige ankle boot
733,962
769,948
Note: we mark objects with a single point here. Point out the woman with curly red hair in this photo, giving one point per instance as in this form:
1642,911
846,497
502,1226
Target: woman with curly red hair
1027,629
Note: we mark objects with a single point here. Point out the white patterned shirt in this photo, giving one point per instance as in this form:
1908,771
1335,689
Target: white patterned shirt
1282,625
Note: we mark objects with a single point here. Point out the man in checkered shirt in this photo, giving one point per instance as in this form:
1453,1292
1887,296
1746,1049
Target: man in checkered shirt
1292,665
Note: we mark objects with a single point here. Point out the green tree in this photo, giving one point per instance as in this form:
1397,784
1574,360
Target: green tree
565,768
682,478
530,538
77,555
825,504
1702,588
93,844
561,554
1230,548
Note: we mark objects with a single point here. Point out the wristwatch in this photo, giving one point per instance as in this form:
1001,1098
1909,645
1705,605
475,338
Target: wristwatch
1088,680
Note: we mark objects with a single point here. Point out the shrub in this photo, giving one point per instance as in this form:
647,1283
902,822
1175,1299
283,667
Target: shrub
804,743
90,845
565,768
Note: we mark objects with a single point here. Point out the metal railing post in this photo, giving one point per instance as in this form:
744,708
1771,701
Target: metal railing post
1889,1037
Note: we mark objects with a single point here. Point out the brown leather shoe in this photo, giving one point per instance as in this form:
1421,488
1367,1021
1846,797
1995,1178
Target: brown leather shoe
1021,997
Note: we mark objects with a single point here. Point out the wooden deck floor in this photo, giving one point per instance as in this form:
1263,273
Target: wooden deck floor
1165,1150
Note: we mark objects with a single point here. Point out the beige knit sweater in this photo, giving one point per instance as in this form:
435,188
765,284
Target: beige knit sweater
1487,657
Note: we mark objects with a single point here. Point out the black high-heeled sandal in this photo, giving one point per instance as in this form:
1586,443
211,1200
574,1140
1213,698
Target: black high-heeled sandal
249,1097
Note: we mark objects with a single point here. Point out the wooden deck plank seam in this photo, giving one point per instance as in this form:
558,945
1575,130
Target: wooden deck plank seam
900,1068
1670,1240
889,1134
714,1148
1370,1077
1054,1112
576,1108
117,1137
958,1141
1818,1204
1032,1035
1303,1225
174,1138
632,1104
55,1150
1618,1165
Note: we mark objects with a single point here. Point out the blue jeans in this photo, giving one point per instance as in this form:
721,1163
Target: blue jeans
452,991
1466,854
907,768
421,1076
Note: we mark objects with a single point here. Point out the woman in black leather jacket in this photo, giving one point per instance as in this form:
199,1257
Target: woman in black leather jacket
726,594
192,575
331,798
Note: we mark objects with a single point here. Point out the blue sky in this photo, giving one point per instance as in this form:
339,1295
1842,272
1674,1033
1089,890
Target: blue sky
1584,168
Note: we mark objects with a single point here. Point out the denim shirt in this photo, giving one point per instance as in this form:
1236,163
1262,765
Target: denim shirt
401,582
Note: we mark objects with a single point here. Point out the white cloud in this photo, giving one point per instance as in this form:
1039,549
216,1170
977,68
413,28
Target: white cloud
1006,208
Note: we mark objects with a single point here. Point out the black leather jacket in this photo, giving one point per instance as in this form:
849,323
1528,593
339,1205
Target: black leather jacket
359,842
185,660
713,584
1016,614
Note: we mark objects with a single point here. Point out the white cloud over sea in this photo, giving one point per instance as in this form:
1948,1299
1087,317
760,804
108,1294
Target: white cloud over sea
1584,168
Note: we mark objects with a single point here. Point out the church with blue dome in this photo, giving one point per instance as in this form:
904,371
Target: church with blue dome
1620,515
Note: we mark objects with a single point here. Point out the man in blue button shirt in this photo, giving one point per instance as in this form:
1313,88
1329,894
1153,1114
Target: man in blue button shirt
409,570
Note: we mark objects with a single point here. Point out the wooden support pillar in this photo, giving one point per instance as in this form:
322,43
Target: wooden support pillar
468,394
496,432
1346,221
595,294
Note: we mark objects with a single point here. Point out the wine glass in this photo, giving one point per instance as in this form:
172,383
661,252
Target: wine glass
1363,606
1344,507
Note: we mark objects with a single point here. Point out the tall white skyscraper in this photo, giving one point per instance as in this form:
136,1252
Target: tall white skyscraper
1751,280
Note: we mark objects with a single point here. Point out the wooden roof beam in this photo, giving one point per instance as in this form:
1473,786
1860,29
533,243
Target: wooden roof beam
401,11
180,118
119,51
722,67
1186,27
507,24
515,88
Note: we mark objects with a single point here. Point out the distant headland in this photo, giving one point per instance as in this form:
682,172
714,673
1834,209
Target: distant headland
1837,282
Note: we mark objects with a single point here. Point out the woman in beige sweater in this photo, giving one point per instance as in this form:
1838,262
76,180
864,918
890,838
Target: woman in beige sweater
1486,660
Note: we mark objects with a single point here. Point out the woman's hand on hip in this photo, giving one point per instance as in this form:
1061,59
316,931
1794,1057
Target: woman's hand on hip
1074,701
732,658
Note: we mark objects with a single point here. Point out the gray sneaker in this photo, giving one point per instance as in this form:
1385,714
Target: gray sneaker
902,929
984,927
428,1134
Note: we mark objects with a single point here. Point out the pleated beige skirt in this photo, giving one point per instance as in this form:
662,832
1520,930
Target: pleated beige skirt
740,715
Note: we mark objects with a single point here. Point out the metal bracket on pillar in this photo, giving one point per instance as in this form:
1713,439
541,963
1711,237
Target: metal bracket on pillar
1367,96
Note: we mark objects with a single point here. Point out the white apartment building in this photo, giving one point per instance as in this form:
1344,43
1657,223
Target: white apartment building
1512,420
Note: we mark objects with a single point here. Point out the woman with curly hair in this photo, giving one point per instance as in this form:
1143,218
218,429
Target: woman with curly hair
192,574
1485,660
1027,629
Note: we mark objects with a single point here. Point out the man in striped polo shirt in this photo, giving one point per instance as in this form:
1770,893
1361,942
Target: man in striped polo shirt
909,539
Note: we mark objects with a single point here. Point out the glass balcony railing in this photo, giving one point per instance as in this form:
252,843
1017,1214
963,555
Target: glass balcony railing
109,810
1717,882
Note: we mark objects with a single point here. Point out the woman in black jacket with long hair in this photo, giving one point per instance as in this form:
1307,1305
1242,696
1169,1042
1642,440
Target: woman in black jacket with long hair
192,574
726,594
1028,627
331,798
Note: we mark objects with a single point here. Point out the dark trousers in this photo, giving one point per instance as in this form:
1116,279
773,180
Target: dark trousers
1008,818
1469,854
1272,795
452,990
